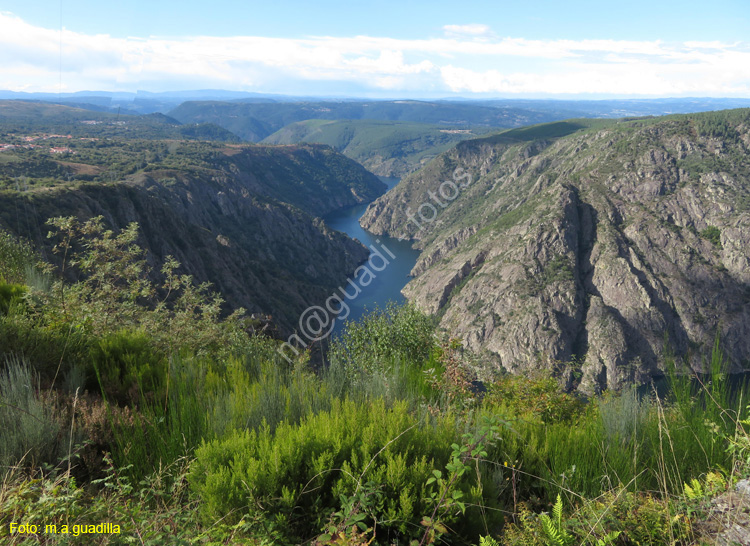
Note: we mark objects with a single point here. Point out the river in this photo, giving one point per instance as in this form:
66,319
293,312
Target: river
386,285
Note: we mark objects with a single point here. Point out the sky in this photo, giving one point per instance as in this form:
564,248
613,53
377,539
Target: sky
395,49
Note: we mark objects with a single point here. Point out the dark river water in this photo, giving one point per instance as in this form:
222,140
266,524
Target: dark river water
395,262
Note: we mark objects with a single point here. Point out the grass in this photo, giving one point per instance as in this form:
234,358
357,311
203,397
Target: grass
229,443
621,450
31,428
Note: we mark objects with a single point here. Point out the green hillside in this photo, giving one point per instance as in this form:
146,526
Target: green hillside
386,148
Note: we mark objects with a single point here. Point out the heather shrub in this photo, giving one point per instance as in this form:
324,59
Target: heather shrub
299,476
126,366
534,398
11,296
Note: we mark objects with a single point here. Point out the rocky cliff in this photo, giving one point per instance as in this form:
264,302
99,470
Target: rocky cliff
244,218
589,247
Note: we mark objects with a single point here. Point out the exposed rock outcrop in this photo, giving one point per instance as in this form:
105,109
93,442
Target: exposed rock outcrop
601,244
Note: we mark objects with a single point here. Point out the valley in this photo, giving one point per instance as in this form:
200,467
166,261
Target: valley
385,148
244,218
375,274
480,375
560,226
386,284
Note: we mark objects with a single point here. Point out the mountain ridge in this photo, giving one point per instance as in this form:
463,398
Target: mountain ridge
581,246
243,217
256,121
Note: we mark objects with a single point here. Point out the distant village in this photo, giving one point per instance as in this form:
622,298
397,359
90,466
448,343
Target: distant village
30,140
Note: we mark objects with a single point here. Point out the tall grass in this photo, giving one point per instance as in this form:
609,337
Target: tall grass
639,442
31,432
205,399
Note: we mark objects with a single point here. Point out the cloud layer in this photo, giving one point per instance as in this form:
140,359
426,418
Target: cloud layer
467,59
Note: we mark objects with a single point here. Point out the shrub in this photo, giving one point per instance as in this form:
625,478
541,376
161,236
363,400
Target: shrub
621,439
154,511
536,398
11,296
617,517
16,258
114,292
127,366
713,235
373,344
297,478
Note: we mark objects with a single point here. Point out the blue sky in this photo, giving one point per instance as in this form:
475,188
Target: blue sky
578,48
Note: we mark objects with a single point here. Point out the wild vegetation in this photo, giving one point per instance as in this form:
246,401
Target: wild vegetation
138,404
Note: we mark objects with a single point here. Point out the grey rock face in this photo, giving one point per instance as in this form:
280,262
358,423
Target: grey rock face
588,253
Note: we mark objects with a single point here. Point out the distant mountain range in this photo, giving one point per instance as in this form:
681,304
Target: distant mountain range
389,137
256,121
145,102
21,115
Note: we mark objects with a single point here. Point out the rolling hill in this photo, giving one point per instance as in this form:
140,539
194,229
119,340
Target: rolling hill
386,148
38,116
256,121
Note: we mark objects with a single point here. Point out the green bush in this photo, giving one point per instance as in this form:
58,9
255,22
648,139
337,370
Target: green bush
713,235
114,292
534,398
16,258
375,343
207,399
617,517
622,439
11,296
126,366
295,479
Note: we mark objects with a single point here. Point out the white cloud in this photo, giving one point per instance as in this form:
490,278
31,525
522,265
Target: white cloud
468,60
467,30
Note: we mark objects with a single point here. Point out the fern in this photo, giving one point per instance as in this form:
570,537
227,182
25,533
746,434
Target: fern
608,539
553,528
694,490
